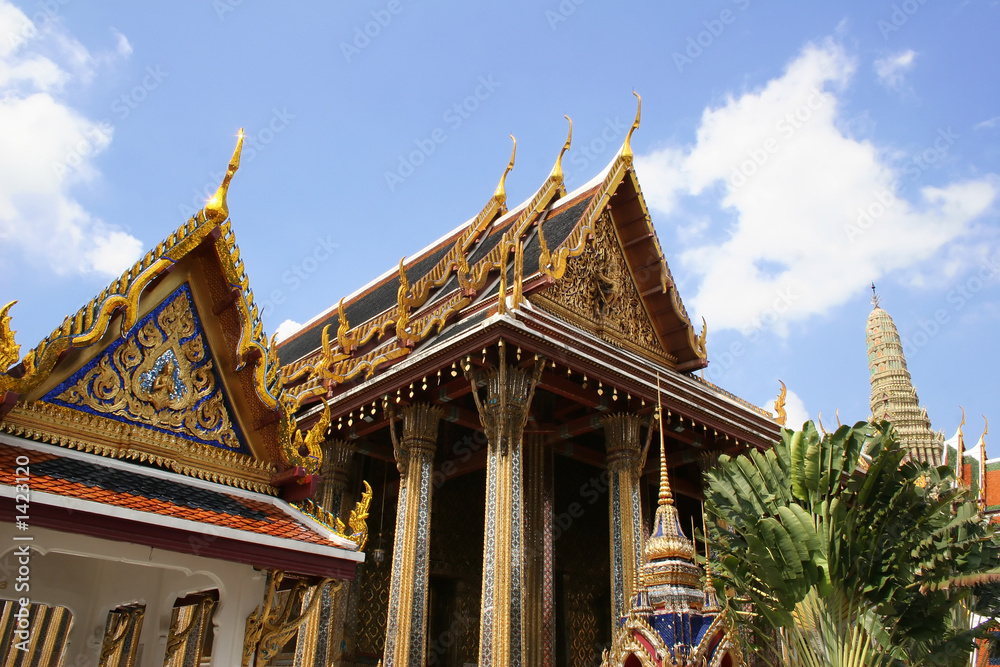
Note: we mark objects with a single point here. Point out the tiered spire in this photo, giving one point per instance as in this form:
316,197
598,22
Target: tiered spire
670,574
893,397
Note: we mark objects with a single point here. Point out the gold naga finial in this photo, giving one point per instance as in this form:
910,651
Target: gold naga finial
358,520
702,340
501,193
347,343
557,171
10,351
779,405
298,450
216,208
627,148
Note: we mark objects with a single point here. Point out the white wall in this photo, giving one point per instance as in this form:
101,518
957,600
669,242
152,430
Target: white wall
91,576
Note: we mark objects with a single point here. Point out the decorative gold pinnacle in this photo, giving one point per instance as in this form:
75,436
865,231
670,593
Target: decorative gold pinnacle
500,196
627,148
781,416
702,343
666,496
557,171
10,351
216,208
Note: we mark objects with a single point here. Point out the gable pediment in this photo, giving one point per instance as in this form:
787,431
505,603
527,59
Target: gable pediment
598,293
161,375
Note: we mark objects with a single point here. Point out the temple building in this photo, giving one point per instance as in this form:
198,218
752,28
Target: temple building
199,494
155,481
497,389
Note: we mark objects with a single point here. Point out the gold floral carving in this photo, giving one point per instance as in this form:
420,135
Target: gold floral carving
597,292
160,376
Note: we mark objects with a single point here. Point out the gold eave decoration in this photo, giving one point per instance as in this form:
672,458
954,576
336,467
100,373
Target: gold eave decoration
58,425
298,449
358,520
122,298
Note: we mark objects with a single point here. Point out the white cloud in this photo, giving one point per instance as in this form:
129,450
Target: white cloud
987,124
795,409
46,149
123,46
892,69
808,215
286,329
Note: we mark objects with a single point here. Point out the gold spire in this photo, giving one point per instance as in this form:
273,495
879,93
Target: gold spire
667,539
10,351
875,299
627,148
982,465
216,208
557,171
500,195
960,459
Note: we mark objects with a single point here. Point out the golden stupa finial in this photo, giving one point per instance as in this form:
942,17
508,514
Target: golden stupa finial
501,193
666,496
875,297
216,208
781,416
557,171
10,351
627,148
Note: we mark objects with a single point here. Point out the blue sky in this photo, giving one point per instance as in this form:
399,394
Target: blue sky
791,154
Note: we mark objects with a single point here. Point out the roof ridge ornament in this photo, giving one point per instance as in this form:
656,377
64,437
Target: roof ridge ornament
557,171
781,415
217,209
627,154
500,196
10,351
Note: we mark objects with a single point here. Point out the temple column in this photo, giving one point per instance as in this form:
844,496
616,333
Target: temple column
406,627
503,413
333,497
539,605
621,432
336,465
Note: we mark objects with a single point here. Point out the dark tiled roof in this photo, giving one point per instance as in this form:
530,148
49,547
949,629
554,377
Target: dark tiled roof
73,478
379,299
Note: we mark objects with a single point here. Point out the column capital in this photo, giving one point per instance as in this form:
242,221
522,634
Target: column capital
621,431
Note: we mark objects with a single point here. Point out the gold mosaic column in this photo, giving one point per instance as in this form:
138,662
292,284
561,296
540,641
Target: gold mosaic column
405,641
509,391
539,605
621,433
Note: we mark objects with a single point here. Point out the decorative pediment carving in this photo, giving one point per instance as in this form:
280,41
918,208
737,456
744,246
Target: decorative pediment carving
160,375
598,293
